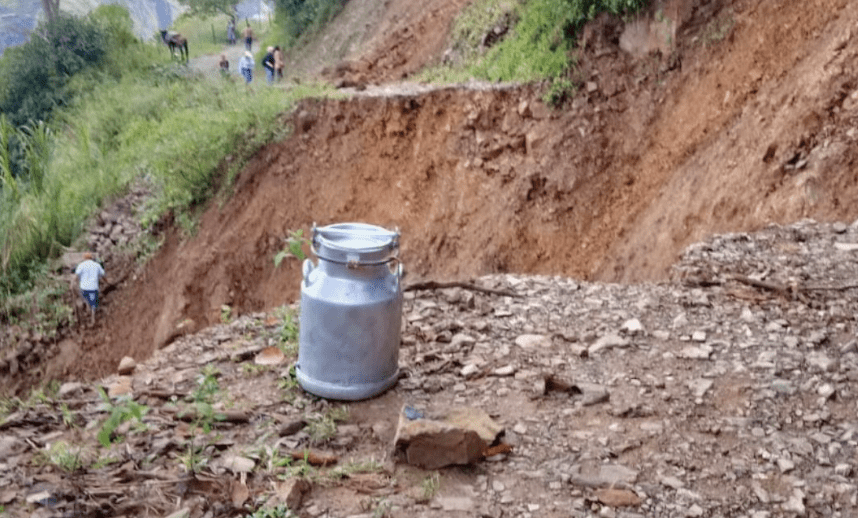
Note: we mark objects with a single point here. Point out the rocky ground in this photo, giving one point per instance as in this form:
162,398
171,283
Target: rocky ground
727,391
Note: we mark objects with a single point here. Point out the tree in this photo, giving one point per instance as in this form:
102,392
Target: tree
52,9
206,8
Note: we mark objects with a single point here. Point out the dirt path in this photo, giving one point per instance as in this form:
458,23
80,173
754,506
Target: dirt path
208,65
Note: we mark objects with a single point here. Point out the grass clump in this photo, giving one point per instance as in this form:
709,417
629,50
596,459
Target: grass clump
323,428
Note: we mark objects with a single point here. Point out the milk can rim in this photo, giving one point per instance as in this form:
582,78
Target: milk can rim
385,243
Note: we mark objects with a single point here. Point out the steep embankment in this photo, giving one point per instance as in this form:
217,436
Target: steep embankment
748,118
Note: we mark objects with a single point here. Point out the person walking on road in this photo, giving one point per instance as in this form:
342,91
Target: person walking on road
245,66
230,31
248,37
268,64
278,62
89,272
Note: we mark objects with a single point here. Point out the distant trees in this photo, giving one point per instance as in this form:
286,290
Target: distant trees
205,8
299,16
33,75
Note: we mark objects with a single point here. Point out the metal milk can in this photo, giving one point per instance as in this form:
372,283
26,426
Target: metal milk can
351,312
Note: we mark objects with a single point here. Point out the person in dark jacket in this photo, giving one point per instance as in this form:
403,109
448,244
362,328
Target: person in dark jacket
268,63
223,64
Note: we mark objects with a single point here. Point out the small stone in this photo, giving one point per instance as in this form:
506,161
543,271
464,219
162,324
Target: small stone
238,464
785,465
698,336
69,388
672,482
533,342
269,356
291,493
121,386
455,503
618,497
127,365
608,341
826,390
844,470
469,370
632,326
846,247
507,370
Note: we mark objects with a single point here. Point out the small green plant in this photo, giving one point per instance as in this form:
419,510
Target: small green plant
281,511
429,487
62,455
271,459
225,314
558,90
251,369
380,507
68,416
288,332
323,428
294,247
123,410
302,469
204,416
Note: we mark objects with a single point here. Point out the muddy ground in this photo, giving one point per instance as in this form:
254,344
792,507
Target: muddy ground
738,115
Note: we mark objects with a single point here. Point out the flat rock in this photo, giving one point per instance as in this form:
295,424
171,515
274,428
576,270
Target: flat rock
444,437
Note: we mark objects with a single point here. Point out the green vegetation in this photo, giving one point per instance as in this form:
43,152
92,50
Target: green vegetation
123,410
294,247
62,455
535,39
280,511
204,417
323,428
429,487
296,18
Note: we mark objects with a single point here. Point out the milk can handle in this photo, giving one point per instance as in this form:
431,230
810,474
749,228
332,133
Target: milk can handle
397,272
307,268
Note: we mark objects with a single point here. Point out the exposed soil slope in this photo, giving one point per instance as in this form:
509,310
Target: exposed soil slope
740,114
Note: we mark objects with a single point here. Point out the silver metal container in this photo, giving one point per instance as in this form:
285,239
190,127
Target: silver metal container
351,312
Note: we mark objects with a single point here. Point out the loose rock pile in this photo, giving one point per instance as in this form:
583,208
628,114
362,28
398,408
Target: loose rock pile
728,391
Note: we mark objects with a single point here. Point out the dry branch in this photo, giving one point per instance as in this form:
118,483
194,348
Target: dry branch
435,285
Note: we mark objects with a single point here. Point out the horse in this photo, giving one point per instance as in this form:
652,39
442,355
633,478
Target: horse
176,41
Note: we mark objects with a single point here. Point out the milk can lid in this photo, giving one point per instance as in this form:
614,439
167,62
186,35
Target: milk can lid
355,243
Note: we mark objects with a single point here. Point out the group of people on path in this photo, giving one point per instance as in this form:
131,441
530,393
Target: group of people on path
272,63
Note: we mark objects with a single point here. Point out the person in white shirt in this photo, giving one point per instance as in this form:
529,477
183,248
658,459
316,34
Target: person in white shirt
89,272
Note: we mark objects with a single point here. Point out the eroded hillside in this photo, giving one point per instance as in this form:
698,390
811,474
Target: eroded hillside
738,115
